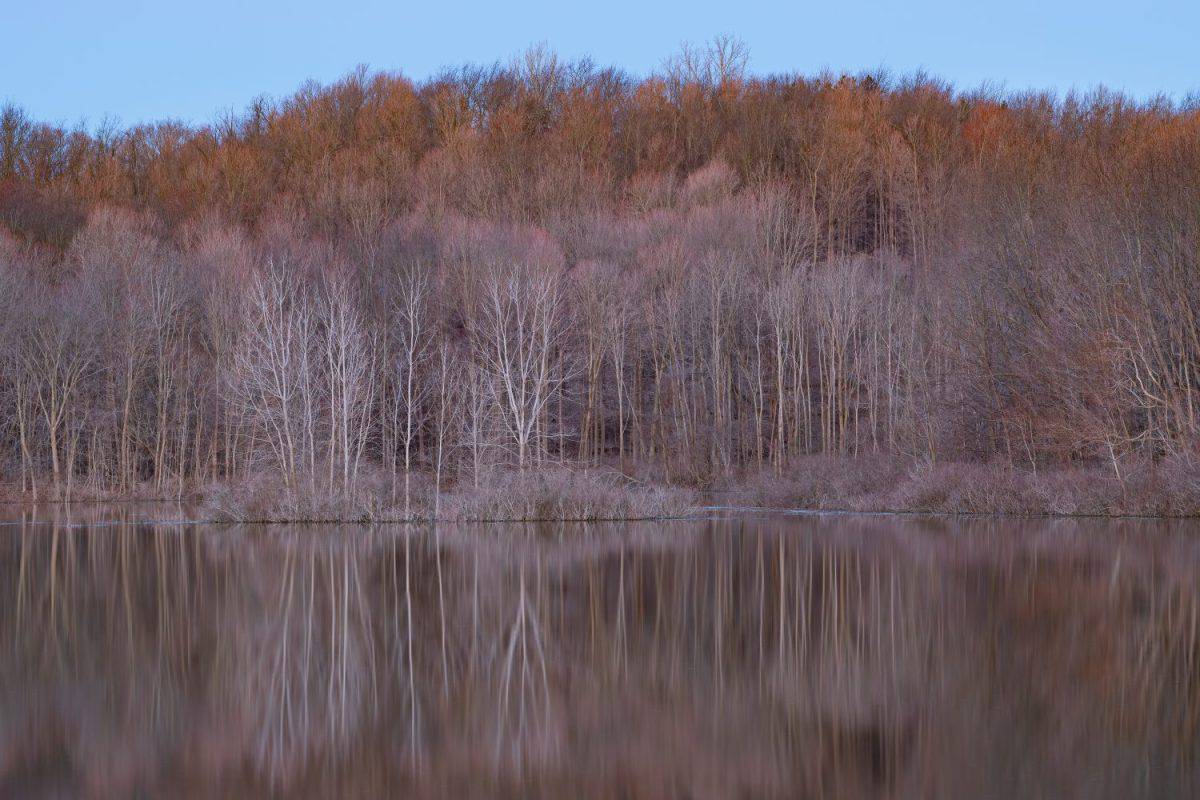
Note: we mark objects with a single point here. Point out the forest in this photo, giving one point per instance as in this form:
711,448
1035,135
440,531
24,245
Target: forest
375,291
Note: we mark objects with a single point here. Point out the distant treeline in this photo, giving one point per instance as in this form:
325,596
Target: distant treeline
699,271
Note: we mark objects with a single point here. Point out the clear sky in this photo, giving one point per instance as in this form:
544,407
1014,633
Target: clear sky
129,61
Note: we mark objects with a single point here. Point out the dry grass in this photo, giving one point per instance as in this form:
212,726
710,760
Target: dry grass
1169,488
565,495
557,494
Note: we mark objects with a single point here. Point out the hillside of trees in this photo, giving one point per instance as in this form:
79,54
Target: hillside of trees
694,275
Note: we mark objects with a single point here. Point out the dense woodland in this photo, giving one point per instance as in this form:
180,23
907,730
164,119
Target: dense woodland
702,272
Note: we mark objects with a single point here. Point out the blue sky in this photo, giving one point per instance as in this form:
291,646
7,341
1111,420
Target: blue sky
130,61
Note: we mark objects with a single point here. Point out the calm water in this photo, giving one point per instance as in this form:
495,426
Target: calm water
747,656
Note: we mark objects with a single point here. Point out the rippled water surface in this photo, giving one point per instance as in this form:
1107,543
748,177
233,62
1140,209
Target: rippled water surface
742,656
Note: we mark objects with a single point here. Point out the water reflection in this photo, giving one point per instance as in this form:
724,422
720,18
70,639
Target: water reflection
768,656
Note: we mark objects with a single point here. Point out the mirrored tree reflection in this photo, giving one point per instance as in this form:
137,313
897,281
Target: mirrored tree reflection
773,656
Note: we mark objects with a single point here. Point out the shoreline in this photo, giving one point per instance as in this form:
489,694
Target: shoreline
819,485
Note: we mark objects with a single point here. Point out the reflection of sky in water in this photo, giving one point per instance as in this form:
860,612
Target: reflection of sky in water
761,656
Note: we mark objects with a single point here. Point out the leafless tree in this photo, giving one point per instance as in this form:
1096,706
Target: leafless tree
519,331
412,338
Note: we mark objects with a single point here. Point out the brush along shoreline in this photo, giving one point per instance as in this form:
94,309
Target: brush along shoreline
1169,488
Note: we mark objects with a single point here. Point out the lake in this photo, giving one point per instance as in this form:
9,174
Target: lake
744,655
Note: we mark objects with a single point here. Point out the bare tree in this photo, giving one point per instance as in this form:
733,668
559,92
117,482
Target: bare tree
55,355
273,375
411,333
449,389
519,331
349,375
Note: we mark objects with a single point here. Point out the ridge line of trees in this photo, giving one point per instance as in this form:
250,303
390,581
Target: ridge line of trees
700,272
